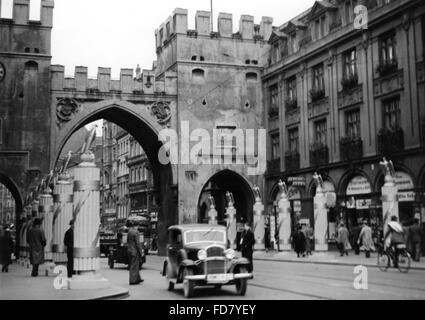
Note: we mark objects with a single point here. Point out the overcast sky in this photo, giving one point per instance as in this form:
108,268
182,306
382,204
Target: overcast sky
120,34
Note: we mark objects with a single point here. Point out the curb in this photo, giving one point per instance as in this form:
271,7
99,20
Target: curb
329,263
120,295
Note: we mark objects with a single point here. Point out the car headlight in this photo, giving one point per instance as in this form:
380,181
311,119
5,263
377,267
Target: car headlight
202,254
230,254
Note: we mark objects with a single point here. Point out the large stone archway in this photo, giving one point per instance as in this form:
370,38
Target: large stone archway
141,123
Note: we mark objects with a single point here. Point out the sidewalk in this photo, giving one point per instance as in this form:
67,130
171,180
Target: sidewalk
17,284
330,257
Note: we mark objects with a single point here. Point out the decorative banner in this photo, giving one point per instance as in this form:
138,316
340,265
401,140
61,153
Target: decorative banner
358,185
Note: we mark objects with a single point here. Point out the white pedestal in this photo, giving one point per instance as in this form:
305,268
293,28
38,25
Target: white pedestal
259,229
320,222
285,224
63,206
231,226
389,204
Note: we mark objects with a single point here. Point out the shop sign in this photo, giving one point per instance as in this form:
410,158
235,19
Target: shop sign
406,196
363,204
358,185
403,181
297,181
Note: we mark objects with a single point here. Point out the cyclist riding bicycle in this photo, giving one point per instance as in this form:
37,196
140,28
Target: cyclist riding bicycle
394,238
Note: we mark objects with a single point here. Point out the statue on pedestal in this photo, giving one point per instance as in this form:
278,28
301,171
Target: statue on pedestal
257,193
389,171
319,182
283,189
230,199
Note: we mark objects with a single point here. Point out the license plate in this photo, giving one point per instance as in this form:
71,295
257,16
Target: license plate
216,277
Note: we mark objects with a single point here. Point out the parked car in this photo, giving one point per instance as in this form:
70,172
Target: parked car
198,255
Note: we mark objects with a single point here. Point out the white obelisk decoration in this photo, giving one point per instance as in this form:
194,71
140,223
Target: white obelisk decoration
284,219
389,193
320,215
259,227
86,216
231,220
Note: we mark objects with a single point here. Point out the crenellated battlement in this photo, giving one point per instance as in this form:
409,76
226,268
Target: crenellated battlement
144,82
178,24
21,13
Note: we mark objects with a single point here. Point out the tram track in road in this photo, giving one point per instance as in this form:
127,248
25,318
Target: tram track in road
275,289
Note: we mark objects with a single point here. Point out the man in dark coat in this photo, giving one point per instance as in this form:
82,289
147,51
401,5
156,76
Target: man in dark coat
134,253
247,244
69,243
6,249
36,241
415,239
299,242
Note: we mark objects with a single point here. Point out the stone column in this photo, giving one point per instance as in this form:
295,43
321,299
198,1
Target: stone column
284,222
231,224
259,226
389,200
63,204
320,220
86,217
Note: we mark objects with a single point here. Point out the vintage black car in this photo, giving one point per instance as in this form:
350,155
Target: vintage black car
198,255
118,253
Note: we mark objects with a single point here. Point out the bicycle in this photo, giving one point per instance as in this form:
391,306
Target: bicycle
386,257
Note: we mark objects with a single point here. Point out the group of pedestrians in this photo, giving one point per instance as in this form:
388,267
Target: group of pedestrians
36,240
361,240
303,240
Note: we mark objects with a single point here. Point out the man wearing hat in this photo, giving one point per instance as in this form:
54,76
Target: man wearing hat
135,253
37,241
69,243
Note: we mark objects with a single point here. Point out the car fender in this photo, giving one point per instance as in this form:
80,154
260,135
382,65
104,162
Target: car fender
238,262
187,263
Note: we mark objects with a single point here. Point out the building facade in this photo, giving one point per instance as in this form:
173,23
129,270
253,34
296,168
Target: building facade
7,206
340,99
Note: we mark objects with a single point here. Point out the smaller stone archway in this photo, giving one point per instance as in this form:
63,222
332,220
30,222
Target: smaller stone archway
217,186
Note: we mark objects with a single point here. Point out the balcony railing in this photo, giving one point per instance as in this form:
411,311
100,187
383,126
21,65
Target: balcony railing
390,141
387,67
291,105
319,155
350,82
273,166
273,112
351,148
292,161
317,94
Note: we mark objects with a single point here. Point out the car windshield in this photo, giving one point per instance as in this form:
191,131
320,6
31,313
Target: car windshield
206,235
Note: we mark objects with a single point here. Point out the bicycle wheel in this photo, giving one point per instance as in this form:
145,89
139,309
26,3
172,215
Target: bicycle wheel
404,261
383,261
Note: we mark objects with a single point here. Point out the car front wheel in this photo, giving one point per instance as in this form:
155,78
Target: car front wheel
188,285
241,284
